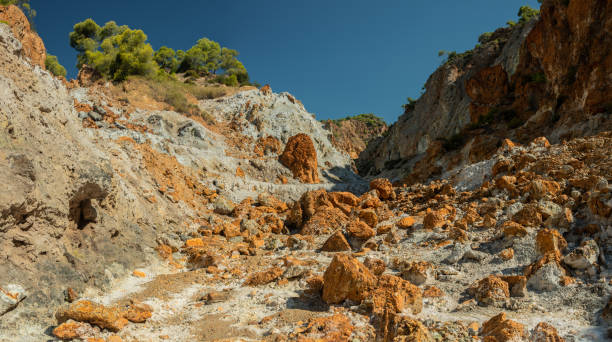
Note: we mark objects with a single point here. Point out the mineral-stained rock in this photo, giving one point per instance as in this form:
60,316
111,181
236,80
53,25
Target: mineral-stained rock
490,290
336,243
369,216
328,329
70,330
324,221
550,241
346,278
545,274
264,277
399,328
606,314
376,266
503,329
406,222
417,272
86,311
507,254
433,219
383,187
394,294
517,285
300,156
544,332
33,46
360,230
138,312
10,296
513,229
584,256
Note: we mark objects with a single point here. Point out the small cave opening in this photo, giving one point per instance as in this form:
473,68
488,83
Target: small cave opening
83,213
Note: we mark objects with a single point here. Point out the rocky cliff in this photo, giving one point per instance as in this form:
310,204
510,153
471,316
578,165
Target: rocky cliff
352,134
548,76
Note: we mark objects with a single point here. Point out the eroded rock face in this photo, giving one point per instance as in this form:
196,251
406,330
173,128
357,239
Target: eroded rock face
503,329
543,77
346,278
33,46
300,157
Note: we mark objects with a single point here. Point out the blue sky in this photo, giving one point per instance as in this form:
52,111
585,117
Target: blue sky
339,57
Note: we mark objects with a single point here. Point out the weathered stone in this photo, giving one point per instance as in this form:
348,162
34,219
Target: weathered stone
544,332
300,156
502,329
96,314
336,243
490,290
383,187
346,278
264,277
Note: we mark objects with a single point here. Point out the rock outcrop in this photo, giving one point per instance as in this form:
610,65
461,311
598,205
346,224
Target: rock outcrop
32,44
353,134
300,157
545,77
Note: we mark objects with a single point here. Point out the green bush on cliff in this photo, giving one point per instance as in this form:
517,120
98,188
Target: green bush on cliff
116,52
527,13
53,65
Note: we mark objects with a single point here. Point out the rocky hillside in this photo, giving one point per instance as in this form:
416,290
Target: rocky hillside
352,134
130,216
548,76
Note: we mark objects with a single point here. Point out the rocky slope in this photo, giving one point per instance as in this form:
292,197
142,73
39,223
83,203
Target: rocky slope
549,76
123,220
94,183
352,134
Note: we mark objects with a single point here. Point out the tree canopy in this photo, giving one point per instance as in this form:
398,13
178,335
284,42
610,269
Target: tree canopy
53,65
117,52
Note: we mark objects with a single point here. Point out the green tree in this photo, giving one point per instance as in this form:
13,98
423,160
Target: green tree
116,52
166,58
527,13
53,65
204,57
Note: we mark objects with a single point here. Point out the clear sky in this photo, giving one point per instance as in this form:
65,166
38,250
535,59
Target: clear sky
339,57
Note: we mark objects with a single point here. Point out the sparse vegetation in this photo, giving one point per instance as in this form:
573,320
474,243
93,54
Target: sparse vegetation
454,142
409,106
53,65
537,77
369,119
23,4
527,13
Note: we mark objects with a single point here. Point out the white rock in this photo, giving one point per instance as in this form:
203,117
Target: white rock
10,296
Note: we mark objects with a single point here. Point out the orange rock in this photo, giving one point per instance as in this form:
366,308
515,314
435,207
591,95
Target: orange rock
406,222
490,290
383,229
266,146
315,284
539,189
300,156
138,312
507,183
503,165
197,242
377,266
346,278
139,274
97,314
566,281
114,338
550,241
328,329
70,330
266,90
433,219
369,216
544,332
264,277
417,272
394,294
507,254
528,216
33,45
399,328
383,188
432,292
368,200
517,285
503,329
336,243
239,172
512,229
489,222
344,201
540,142
324,221
360,230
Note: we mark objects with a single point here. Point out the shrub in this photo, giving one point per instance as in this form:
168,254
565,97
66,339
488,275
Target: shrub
485,37
527,13
408,107
116,52
54,67
454,142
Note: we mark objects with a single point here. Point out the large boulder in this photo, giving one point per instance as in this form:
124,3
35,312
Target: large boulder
347,278
300,156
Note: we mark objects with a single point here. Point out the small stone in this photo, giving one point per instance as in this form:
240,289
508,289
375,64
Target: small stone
336,243
10,296
139,274
507,254
584,256
346,278
264,277
377,266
